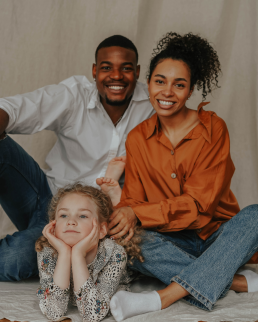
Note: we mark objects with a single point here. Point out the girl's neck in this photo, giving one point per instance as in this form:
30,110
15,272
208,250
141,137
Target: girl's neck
91,255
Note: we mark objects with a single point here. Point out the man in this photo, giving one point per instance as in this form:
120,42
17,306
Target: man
91,122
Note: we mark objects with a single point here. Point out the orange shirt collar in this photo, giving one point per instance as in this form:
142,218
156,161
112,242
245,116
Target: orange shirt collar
205,120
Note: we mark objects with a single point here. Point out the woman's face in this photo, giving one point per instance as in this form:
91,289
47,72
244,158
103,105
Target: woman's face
169,87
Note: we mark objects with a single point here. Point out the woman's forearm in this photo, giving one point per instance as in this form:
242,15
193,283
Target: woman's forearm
62,272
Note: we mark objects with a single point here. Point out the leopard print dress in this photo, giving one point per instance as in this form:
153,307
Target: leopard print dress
108,275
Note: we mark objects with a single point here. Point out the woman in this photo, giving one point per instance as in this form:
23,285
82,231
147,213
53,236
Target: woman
177,186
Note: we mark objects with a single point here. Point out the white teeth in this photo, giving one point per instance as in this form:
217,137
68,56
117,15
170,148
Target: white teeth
116,87
166,102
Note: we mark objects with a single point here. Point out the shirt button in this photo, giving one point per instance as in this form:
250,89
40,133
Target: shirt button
173,175
172,152
199,230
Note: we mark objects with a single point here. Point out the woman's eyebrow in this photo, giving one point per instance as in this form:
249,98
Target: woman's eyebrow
181,79
158,75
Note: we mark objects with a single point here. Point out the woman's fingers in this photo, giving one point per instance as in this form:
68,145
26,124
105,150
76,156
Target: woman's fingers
121,233
131,233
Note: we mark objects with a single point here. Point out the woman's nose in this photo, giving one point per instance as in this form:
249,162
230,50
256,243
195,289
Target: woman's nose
168,91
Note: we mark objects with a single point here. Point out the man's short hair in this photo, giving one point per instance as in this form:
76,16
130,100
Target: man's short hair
118,41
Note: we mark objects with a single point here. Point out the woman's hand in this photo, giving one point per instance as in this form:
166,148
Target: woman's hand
57,243
88,243
122,221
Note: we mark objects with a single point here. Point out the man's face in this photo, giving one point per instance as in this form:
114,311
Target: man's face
116,73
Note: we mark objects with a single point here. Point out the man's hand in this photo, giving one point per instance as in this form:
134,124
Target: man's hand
122,221
57,243
88,243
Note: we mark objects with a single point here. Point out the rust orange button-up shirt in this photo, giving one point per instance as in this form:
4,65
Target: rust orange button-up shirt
186,187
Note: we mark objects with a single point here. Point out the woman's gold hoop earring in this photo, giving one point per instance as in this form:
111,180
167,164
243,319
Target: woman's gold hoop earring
188,97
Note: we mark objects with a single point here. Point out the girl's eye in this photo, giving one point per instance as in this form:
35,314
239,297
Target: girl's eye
83,216
63,216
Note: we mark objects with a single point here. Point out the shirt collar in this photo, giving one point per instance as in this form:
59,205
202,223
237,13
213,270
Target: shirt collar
205,121
140,94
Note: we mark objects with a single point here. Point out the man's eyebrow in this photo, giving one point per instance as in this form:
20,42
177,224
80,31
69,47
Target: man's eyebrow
106,62
109,63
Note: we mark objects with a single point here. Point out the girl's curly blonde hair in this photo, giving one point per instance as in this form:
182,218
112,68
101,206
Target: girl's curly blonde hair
104,211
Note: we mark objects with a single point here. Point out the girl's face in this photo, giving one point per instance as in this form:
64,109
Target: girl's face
169,87
74,218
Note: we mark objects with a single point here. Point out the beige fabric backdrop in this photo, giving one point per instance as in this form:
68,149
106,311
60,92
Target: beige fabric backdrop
46,41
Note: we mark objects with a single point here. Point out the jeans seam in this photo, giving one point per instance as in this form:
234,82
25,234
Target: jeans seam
193,290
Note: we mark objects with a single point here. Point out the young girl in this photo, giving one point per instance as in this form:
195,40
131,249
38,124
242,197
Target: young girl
75,259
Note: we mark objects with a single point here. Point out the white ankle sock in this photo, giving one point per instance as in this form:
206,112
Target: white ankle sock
252,280
124,305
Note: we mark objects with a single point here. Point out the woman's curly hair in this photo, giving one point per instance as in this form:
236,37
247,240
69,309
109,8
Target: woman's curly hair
196,52
104,211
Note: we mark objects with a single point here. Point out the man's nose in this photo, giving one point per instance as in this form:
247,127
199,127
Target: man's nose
116,74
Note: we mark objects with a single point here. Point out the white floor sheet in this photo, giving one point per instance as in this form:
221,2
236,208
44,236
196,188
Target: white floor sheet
18,301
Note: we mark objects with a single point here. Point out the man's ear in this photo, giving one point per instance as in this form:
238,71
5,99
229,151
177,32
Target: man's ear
103,229
94,70
138,68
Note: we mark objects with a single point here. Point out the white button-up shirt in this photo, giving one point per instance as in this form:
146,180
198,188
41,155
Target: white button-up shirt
87,138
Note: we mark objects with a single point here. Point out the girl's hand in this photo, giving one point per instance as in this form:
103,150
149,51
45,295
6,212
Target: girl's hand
88,243
57,243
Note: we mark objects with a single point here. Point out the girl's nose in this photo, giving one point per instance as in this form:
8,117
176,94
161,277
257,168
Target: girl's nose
71,221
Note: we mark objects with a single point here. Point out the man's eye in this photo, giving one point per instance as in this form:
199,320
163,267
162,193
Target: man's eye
127,68
158,81
105,67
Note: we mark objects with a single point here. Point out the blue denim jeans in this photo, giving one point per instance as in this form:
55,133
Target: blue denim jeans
204,268
24,196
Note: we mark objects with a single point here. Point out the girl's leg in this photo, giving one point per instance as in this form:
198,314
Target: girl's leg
110,187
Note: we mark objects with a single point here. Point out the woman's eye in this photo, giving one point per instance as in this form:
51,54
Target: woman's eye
158,81
180,85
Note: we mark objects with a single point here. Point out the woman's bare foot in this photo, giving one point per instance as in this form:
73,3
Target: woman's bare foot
111,188
115,168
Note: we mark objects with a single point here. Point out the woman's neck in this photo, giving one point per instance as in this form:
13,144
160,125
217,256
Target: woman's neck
174,122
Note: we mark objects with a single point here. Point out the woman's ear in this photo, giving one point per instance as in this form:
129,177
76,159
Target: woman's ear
103,229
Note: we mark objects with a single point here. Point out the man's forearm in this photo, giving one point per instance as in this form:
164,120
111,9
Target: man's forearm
4,120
